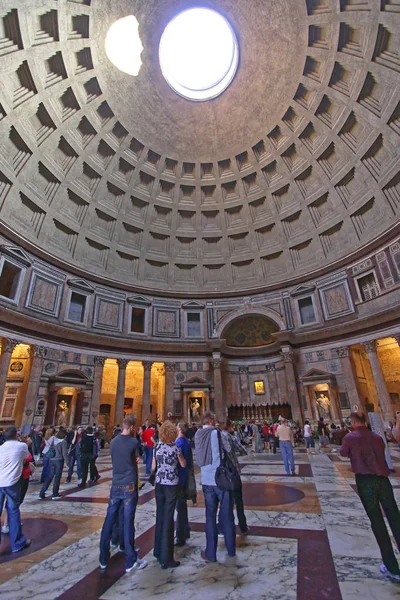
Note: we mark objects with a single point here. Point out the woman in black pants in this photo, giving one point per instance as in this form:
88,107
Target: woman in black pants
165,460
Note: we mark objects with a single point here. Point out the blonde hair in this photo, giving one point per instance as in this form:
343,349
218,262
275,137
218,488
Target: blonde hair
168,433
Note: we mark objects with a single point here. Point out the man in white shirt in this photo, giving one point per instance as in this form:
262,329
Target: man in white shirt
286,440
12,456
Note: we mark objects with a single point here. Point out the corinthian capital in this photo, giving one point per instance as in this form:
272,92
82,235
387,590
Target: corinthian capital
170,367
397,338
217,363
288,356
147,364
99,361
8,344
122,363
243,369
370,346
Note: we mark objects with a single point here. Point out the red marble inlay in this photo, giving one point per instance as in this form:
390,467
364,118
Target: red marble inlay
41,532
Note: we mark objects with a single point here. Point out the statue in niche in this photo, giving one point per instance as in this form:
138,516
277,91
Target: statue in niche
323,404
62,414
195,408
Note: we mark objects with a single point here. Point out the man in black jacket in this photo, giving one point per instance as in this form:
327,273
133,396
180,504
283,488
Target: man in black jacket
88,457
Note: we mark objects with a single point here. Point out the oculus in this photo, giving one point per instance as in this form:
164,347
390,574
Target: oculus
199,54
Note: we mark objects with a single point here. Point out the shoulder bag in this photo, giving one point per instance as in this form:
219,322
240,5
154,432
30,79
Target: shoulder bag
227,476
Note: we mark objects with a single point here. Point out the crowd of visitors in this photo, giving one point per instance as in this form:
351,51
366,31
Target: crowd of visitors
167,451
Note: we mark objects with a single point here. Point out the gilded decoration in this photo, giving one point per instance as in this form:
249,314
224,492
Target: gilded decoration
250,331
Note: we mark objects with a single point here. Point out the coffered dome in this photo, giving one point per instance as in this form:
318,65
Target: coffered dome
292,170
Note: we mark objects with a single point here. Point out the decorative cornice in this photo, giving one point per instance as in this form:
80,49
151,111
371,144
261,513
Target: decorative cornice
37,351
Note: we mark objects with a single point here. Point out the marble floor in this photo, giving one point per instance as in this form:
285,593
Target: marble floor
309,540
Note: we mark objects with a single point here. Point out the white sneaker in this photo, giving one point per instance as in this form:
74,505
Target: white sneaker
139,564
221,536
5,529
102,566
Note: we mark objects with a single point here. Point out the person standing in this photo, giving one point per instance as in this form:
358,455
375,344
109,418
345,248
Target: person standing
165,463
231,441
13,454
36,443
366,451
208,458
88,457
58,454
285,435
48,441
123,497
75,455
323,433
148,445
182,521
308,437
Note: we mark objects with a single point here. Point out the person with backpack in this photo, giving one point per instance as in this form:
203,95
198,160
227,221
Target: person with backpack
57,455
89,453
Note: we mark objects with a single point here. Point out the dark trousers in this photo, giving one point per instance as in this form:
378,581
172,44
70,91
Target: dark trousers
274,443
88,461
121,499
238,499
24,489
12,494
376,492
213,497
56,469
164,532
74,457
182,521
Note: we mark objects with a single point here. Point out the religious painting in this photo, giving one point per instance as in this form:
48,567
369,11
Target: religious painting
323,403
259,387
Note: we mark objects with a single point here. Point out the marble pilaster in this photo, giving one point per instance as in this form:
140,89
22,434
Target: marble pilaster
244,385
120,396
220,411
7,347
344,353
293,395
379,379
169,388
147,365
37,354
272,384
99,362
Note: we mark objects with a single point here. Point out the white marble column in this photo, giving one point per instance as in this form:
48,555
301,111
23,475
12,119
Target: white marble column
379,379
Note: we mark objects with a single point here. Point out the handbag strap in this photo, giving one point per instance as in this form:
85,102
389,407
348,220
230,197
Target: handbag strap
221,450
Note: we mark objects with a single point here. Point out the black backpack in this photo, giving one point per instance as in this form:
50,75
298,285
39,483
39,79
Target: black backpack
87,444
227,477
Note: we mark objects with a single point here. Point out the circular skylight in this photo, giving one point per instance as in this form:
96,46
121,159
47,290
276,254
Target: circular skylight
199,54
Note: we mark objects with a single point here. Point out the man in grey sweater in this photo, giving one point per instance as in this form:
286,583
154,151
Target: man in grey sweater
208,458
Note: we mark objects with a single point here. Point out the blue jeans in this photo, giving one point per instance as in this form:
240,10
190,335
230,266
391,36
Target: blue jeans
46,469
149,459
212,497
12,494
287,455
56,469
128,498
144,454
74,457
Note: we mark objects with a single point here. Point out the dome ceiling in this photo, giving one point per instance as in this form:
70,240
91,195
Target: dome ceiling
294,167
